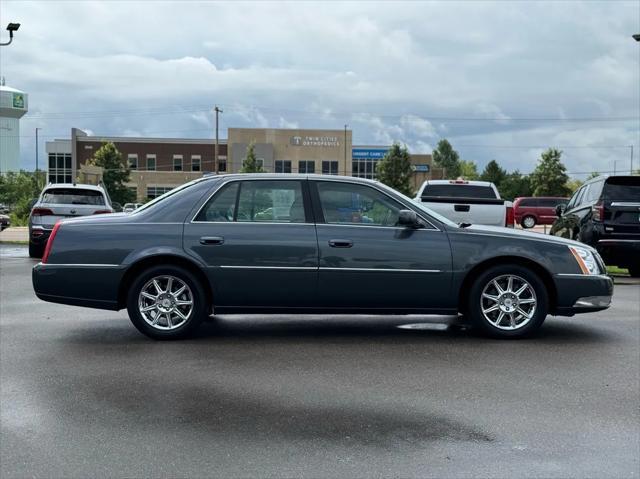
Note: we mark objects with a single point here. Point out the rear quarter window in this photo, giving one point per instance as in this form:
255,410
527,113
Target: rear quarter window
72,196
623,189
459,191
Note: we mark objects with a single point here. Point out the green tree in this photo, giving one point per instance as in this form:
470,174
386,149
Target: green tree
574,184
593,174
550,176
115,172
17,190
444,156
395,170
493,173
469,170
514,185
250,163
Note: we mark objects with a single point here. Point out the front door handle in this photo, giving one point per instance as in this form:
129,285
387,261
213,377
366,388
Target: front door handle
340,243
211,240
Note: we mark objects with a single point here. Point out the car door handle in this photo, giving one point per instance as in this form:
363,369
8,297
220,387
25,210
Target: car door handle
461,207
211,240
340,243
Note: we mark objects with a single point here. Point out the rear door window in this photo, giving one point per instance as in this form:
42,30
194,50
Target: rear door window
623,189
528,202
593,192
72,196
459,191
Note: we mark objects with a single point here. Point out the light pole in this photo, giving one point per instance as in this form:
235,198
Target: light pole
12,27
215,152
37,169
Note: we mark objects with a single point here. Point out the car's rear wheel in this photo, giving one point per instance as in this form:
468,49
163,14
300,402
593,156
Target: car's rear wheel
166,302
528,222
508,301
35,251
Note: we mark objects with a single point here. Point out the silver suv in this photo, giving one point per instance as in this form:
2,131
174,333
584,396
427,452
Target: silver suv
59,201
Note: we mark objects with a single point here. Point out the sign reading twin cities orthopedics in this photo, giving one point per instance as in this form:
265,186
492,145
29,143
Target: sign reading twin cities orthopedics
18,100
330,141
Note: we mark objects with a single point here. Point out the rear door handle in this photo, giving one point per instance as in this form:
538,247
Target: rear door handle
340,243
211,240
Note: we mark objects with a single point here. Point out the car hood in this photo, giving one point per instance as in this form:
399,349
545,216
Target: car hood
525,235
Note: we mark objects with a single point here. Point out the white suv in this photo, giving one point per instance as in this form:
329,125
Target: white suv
59,201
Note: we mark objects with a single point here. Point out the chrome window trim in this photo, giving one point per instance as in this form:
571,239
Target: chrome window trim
341,180
382,270
402,228
619,241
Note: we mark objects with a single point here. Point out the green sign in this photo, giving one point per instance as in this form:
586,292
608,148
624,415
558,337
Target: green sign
18,100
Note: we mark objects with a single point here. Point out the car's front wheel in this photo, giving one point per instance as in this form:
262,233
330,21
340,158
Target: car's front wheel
166,302
508,301
528,222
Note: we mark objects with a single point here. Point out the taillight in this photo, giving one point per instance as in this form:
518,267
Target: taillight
41,212
102,212
510,218
52,236
597,212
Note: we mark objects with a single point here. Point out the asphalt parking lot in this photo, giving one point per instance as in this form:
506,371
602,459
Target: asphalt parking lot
83,394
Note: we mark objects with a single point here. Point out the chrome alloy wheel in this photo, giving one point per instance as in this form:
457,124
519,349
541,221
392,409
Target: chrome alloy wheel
529,222
508,302
165,302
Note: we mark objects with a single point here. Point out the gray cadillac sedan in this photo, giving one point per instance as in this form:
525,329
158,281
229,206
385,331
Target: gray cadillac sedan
263,243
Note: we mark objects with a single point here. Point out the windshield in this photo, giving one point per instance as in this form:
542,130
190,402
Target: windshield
428,211
72,196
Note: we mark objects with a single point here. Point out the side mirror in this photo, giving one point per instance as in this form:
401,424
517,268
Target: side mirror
408,218
560,209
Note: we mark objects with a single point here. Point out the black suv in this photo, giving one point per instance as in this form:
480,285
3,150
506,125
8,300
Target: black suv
605,213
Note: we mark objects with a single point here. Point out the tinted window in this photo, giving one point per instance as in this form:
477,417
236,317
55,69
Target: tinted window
593,192
345,203
623,189
459,191
72,196
528,202
271,201
550,202
222,206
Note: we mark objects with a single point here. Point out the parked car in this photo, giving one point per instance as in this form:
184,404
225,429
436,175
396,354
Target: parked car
467,202
541,210
117,207
60,201
130,207
4,209
5,222
605,214
210,246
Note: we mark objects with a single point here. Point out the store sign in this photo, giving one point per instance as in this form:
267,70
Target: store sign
421,168
368,153
18,100
330,141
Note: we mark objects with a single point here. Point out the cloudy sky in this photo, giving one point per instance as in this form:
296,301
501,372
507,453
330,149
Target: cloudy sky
501,80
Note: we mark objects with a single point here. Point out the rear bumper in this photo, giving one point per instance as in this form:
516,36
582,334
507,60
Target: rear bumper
38,235
619,252
578,293
92,286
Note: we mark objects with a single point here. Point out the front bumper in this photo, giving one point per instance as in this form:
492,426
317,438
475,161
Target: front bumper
580,293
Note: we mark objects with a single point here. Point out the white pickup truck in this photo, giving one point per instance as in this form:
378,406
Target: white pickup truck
467,202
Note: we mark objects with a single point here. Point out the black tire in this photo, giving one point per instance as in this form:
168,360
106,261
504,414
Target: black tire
634,271
523,221
199,298
35,251
483,325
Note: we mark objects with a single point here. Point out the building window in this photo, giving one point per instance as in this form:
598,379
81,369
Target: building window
329,167
195,163
306,167
222,163
133,162
151,162
60,168
155,191
283,166
177,162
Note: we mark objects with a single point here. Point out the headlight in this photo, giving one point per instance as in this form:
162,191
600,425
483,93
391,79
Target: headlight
586,260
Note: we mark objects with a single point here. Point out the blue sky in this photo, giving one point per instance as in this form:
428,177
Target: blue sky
500,80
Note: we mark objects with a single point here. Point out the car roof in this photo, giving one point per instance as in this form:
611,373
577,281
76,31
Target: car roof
289,176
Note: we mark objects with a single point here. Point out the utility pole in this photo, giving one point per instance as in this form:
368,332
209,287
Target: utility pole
631,164
37,169
215,154
345,151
